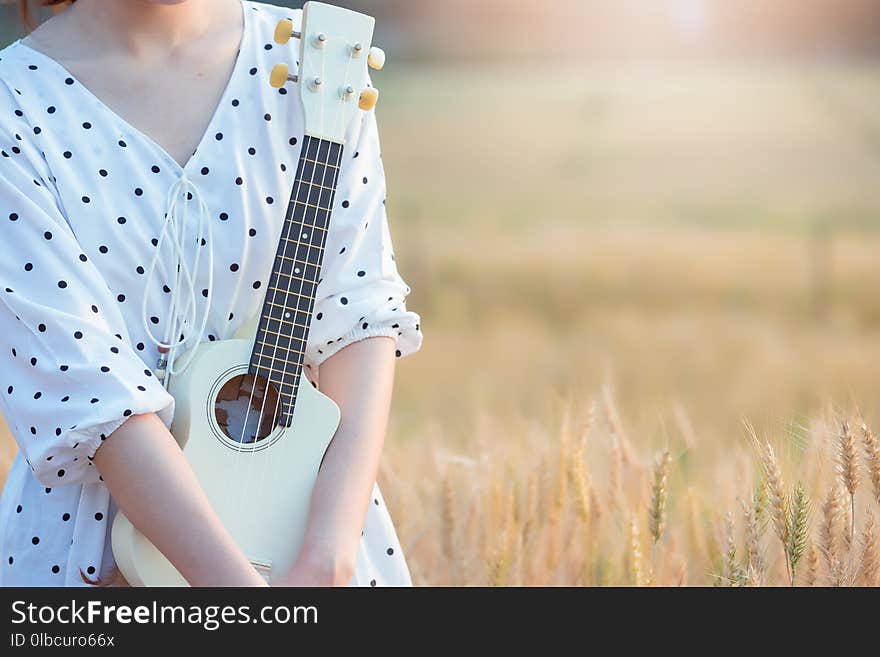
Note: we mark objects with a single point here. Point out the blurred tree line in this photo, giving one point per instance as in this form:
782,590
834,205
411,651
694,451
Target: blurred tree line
598,29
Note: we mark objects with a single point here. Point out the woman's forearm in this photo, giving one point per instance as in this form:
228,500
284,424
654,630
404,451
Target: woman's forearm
155,487
359,378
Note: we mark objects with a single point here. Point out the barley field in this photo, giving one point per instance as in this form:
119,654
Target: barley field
652,327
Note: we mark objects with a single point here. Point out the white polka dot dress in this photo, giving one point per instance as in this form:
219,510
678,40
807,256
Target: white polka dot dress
83,199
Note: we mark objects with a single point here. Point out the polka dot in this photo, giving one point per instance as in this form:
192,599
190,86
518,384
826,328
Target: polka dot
56,569
389,551
99,516
35,540
87,125
219,136
67,155
155,169
62,284
345,204
257,285
65,517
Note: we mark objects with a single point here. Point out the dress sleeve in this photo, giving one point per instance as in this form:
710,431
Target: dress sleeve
361,293
68,374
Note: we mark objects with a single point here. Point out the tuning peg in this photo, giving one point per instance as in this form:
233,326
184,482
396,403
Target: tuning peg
369,98
284,31
280,76
376,58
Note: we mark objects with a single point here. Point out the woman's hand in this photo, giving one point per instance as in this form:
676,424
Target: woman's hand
316,571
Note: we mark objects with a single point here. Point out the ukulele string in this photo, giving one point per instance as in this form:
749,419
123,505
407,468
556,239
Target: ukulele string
309,237
300,357
284,311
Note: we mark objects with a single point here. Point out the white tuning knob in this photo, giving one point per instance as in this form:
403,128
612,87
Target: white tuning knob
376,58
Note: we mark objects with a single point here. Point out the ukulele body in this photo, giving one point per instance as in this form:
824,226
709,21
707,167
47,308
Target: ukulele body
261,492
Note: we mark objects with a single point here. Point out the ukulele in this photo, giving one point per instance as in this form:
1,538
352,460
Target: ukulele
249,422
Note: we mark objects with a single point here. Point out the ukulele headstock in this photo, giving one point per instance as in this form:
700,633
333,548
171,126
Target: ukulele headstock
335,52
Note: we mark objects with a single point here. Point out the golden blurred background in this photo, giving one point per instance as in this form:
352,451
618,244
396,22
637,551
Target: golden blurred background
677,200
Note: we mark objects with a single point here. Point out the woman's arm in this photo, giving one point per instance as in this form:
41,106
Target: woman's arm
155,487
359,378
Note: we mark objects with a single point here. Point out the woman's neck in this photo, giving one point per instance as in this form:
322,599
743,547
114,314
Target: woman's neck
138,27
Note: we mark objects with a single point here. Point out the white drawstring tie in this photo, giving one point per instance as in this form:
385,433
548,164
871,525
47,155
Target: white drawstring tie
182,193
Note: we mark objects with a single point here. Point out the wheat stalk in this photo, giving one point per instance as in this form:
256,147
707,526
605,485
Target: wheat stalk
757,567
848,468
799,520
870,559
872,457
812,564
831,513
635,547
659,493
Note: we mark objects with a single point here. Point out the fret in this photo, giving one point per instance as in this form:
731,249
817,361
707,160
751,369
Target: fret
278,346
289,293
314,185
311,246
299,221
276,365
286,322
310,205
287,308
296,278
310,173
286,336
309,270
323,164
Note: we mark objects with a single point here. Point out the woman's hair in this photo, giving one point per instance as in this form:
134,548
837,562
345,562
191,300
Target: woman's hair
25,10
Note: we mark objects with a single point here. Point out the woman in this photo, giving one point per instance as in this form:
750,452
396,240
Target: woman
107,112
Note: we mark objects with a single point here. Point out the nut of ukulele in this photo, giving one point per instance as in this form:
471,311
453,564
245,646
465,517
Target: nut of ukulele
376,58
369,98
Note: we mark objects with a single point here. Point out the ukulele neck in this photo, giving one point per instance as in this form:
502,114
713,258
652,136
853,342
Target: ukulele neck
283,330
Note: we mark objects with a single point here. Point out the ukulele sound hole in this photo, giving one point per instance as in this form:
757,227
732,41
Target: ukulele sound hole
247,408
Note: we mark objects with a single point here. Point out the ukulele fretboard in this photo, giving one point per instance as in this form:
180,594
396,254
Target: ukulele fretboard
283,330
